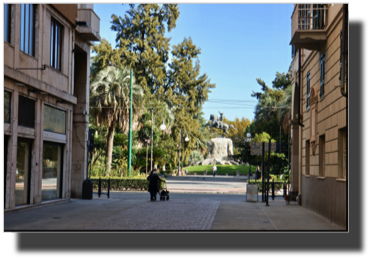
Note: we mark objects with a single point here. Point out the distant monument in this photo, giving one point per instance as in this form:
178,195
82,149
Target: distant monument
219,149
216,123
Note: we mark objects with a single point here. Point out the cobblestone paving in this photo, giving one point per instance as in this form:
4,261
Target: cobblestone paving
175,214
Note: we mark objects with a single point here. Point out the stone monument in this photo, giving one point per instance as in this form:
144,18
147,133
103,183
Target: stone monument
220,150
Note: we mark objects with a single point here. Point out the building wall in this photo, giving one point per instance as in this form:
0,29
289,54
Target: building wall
324,194
57,89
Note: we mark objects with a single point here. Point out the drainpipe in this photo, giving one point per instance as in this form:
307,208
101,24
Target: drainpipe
344,52
299,88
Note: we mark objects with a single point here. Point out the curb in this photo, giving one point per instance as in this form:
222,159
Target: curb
206,192
33,206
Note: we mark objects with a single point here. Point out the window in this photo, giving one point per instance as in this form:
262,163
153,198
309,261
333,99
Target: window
307,157
308,91
322,155
7,107
26,111
51,171
27,16
7,22
54,120
293,51
322,77
55,44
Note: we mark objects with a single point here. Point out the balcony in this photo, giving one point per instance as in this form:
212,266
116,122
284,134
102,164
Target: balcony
309,24
91,31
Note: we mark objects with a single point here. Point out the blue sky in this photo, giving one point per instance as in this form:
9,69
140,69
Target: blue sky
239,43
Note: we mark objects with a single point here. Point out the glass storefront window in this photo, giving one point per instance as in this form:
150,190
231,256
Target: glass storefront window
54,120
51,171
22,188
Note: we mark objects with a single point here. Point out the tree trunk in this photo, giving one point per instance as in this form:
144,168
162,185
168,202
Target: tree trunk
111,133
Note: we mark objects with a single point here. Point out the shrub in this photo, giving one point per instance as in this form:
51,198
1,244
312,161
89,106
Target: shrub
194,157
277,186
117,183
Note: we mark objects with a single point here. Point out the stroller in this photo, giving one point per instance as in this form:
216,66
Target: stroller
163,191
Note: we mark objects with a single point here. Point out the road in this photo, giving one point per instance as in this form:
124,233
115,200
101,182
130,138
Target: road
207,184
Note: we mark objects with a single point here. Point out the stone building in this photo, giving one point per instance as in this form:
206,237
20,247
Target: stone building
319,108
46,101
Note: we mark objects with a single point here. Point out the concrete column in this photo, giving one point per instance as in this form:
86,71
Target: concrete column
12,159
80,121
295,157
8,173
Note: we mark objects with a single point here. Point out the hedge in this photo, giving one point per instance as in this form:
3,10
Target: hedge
117,183
277,186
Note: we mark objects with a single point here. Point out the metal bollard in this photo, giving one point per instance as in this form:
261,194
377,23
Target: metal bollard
100,188
109,183
284,190
272,191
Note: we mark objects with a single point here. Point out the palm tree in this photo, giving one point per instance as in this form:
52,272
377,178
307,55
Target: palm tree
110,102
285,104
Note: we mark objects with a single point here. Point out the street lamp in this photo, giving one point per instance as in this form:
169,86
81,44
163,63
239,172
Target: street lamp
146,166
162,127
249,153
179,150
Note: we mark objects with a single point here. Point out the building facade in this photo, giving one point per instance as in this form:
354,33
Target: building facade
319,109
46,100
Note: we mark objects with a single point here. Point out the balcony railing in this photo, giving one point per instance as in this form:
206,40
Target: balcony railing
312,16
309,19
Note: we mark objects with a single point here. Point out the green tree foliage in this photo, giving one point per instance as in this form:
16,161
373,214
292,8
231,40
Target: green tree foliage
273,104
141,34
282,80
173,84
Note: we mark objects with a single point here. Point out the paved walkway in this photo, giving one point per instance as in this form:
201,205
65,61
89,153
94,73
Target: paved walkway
193,214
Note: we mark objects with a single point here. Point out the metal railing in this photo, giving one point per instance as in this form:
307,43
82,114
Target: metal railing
309,17
312,16
99,191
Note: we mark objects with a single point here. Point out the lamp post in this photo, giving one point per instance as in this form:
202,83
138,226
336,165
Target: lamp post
179,150
249,154
151,147
146,166
130,118
130,128
162,127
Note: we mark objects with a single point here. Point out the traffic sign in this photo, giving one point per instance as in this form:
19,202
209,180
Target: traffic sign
256,148
273,147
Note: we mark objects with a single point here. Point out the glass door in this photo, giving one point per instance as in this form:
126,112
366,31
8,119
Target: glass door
22,188
52,171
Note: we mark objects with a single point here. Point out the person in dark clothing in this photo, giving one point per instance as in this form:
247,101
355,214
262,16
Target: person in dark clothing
153,187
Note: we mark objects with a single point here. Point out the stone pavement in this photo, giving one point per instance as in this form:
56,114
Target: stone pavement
207,184
193,214
178,214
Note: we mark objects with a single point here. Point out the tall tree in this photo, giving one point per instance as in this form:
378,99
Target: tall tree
141,33
110,96
273,104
